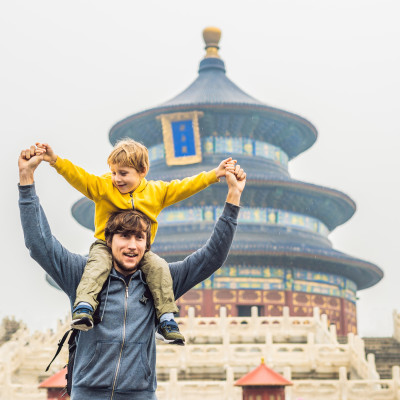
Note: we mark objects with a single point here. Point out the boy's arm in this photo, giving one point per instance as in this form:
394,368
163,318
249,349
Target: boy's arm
89,185
63,266
204,262
178,190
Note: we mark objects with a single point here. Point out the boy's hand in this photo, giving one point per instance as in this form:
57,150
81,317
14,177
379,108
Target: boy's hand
225,165
47,152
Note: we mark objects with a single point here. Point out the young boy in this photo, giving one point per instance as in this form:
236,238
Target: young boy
126,187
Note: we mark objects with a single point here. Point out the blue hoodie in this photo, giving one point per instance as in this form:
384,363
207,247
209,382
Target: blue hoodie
116,360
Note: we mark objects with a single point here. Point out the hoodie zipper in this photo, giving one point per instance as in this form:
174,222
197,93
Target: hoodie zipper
123,337
133,205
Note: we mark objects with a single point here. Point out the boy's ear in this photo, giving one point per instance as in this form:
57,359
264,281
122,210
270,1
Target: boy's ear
144,172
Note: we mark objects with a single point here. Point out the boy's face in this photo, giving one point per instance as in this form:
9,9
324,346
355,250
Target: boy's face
125,179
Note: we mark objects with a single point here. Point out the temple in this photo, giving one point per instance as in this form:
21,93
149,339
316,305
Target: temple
283,295
282,255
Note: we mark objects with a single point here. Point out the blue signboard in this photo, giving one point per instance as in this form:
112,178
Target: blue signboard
183,137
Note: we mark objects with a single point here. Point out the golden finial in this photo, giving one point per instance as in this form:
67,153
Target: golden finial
212,36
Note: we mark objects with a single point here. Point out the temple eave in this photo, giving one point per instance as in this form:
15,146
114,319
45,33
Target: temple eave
364,274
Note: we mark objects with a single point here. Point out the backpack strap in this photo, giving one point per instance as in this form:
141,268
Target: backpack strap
71,361
61,343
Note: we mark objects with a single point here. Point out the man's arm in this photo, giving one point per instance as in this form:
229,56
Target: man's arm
63,266
205,261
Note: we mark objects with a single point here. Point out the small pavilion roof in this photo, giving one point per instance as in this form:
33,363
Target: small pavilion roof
55,381
263,376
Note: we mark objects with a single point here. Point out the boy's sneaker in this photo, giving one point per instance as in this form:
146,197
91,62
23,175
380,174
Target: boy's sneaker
168,332
82,319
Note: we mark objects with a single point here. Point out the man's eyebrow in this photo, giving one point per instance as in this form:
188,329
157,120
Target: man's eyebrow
138,232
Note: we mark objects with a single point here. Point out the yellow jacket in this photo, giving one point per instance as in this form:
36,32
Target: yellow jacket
150,197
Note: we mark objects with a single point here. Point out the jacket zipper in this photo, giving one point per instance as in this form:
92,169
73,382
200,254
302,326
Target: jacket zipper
133,205
123,338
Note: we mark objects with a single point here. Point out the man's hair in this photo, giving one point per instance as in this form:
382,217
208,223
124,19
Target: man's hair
128,222
129,153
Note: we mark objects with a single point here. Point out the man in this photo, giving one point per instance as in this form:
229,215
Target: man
116,360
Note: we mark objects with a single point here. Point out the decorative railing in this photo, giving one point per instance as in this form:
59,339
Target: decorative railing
24,358
396,325
218,346
248,215
230,145
338,389
274,329
301,357
237,344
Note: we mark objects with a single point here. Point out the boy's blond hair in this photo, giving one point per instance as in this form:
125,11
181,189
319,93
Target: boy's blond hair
129,153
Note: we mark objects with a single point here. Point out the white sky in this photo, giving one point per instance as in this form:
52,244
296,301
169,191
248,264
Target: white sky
70,70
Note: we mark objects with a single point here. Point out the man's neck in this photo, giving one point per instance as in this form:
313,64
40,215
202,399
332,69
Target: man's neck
126,278
121,270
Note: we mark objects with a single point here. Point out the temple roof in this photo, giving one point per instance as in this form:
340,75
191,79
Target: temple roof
262,376
215,94
212,87
246,247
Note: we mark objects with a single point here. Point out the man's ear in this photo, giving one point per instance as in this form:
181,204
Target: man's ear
108,243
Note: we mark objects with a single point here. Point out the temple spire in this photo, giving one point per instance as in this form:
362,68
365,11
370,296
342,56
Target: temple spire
212,36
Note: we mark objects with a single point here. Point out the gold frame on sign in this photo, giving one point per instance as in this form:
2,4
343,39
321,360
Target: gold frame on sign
166,120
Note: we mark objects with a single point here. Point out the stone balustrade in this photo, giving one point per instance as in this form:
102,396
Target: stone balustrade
223,348
344,389
396,325
302,358
281,329
339,389
321,353
23,360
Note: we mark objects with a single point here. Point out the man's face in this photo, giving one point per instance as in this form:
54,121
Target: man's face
125,179
128,250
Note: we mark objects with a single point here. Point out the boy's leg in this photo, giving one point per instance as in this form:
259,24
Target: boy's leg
158,277
96,272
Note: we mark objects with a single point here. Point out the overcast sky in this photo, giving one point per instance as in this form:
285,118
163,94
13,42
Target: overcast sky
70,70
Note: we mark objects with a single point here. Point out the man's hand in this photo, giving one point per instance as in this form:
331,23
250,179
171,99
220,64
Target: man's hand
48,153
28,161
236,182
225,165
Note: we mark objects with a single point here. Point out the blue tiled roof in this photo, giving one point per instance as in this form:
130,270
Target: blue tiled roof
363,273
227,108
212,86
